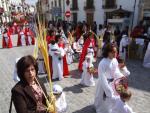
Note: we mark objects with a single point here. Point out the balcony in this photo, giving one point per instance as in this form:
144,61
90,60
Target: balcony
109,6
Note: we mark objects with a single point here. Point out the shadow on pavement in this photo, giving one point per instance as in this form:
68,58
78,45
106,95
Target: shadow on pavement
75,89
87,109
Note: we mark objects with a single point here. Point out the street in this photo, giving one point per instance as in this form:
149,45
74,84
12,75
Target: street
79,99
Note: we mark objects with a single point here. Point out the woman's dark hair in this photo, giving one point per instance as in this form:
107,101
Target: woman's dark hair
23,64
107,49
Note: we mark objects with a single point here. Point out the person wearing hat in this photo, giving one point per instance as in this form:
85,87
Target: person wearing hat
87,77
123,46
60,103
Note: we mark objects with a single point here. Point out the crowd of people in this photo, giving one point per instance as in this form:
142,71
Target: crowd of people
85,44
23,32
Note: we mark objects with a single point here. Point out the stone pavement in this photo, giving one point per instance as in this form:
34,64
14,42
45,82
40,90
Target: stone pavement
79,98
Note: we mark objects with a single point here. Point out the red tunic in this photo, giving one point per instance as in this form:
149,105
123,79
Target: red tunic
65,65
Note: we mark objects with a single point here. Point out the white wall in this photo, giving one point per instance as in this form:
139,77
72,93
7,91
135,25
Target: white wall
99,12
81,11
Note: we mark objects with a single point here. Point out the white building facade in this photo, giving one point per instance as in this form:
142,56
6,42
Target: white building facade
91,10
99,10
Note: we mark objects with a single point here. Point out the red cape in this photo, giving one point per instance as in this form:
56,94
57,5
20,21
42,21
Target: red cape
84,52
65,65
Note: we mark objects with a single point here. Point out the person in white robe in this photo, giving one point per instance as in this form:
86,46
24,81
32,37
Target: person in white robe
140,43
146,62
87,77
90,51
123,68
6,38
61,104
15,75
123,46
23,40
120,105
57,60
41,64
69,53
108,71
29,38
80,42
100,46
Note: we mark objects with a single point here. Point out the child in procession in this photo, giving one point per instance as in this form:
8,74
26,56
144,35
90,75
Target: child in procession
120,105
87,76
122,67
69,53
60,103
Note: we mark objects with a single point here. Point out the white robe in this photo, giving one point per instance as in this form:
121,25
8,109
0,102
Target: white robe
121,107
122,51
107,69
23,41
69,54
29,38
15,75
41,65
125,71
6,38
61,104
146,62
90,51
87,78
57,64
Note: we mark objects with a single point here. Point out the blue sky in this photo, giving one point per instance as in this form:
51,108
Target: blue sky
31,1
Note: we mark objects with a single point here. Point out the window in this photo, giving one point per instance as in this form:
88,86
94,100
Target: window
55,3
110,2
74,4
52,3
59,3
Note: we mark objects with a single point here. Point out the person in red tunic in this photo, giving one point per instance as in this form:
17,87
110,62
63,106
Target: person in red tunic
89,41
15,26
30,37
21,38
50,36
6,40
65,65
